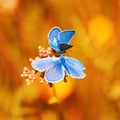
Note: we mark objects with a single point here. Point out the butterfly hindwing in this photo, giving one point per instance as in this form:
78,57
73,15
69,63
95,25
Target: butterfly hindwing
74,62
53,37
73,67
55,73
54,33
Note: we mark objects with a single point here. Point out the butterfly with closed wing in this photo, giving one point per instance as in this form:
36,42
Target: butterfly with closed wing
59,40
56,68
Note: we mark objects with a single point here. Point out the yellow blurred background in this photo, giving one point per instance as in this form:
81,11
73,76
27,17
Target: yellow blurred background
24,25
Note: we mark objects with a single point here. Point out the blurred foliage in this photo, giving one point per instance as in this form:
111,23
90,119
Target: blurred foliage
24,24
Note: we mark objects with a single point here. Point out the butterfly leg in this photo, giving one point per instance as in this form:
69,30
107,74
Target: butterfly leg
42,77
65,78
55,53
50,84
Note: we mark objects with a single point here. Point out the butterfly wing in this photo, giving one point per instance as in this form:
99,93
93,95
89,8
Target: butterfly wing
73,67
44,63
66,36
55,73
74,62
53,37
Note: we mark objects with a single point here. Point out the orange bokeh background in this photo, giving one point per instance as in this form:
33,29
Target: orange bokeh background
24,25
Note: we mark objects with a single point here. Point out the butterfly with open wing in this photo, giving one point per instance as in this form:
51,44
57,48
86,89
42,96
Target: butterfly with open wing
57,67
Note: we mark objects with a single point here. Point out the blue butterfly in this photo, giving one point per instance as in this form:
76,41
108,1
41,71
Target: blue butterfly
56,68
59,40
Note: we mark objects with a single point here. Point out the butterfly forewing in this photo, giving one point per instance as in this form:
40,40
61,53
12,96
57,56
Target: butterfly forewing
66,36
44,63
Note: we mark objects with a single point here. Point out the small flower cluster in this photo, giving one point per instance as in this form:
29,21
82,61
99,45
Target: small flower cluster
30,75
45,53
